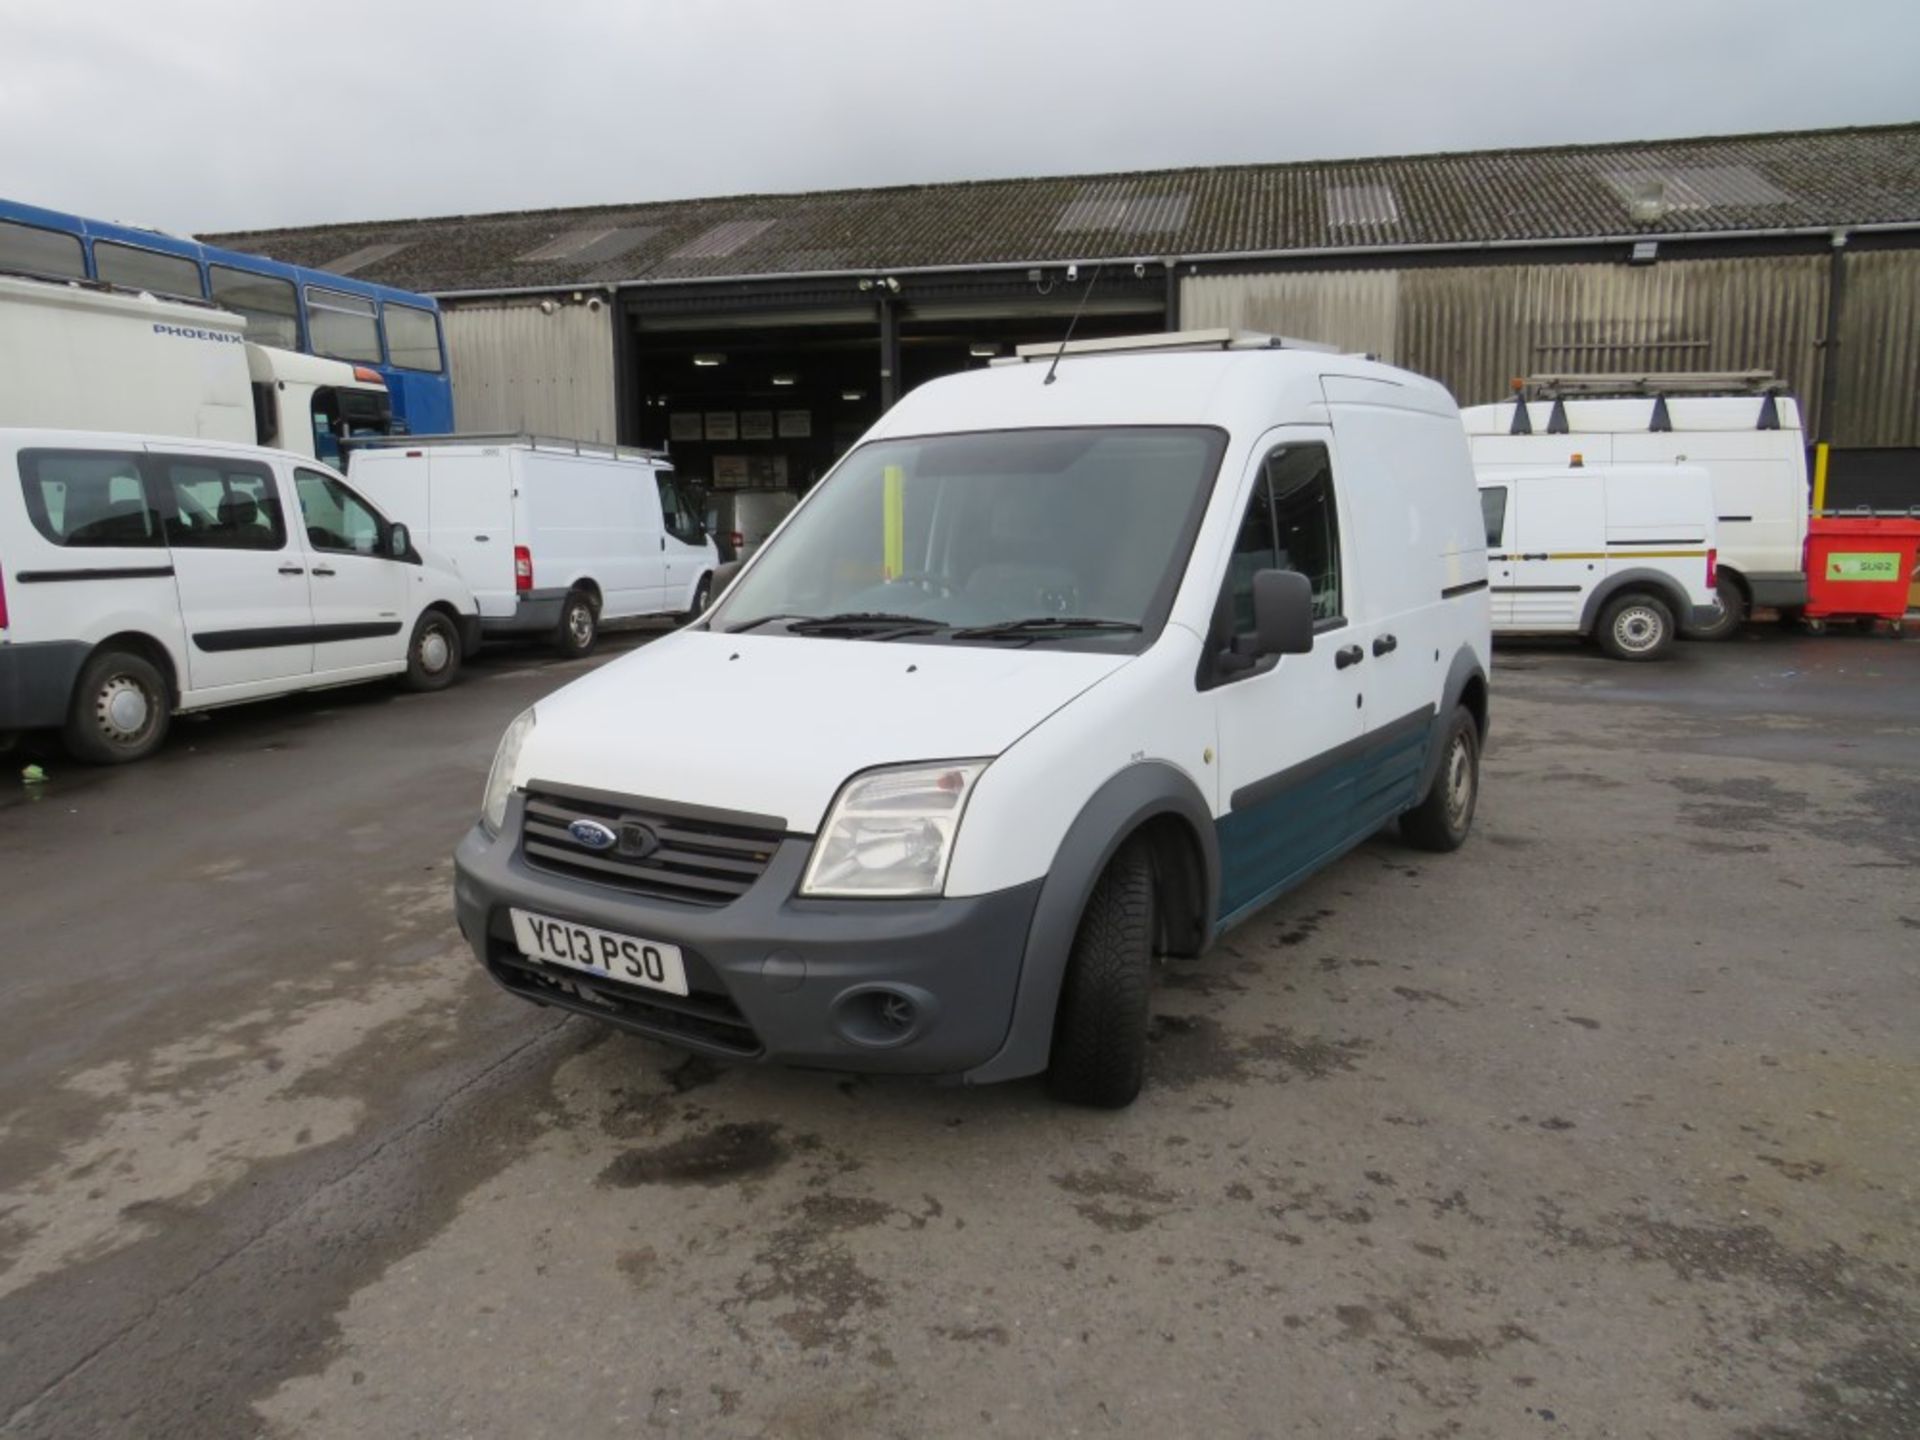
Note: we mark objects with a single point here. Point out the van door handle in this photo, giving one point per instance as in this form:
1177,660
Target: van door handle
291,570
1350,655
1385,645
483,538
318,571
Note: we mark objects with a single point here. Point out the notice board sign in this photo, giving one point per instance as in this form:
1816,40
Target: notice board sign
684,425
796,424
723,425
756,424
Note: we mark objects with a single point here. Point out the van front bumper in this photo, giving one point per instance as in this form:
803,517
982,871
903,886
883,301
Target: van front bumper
909,987
36,682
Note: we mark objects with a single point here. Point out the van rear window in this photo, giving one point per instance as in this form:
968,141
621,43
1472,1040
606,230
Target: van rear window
87,498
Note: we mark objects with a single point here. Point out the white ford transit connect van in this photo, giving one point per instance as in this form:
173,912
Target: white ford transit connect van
1052,675
554,536
141,576
1623,554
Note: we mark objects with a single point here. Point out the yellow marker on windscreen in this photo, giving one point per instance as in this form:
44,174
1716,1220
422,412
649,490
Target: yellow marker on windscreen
893,520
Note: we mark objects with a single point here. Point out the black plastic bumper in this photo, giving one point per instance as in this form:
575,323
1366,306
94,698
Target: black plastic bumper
36,682
773,977
1779,592
537,612
1704,617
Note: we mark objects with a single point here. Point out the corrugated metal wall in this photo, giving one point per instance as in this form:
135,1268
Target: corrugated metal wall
1476,327
1879,362
515,368
1354,309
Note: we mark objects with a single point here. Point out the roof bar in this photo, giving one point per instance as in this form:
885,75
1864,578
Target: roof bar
1221,339
504,437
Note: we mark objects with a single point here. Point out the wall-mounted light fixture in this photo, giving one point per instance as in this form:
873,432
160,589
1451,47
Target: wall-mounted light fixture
783,380
709,362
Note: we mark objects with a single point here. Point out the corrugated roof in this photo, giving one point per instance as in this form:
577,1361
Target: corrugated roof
1742,182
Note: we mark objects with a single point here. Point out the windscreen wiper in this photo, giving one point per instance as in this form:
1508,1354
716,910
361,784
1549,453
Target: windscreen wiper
862,621
1040,627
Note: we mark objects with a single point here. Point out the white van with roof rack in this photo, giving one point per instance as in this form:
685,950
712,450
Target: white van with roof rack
1074,662
554,536
142,576
1741,427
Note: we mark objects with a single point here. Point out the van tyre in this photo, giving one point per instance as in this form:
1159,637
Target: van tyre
120,709
1733,612
579,626
433,654
1636,627
702,597
1100,1030
1444,815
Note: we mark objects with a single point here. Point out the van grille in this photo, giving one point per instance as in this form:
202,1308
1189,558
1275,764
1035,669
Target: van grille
655,853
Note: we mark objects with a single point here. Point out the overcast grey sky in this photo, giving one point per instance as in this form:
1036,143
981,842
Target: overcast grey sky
206,115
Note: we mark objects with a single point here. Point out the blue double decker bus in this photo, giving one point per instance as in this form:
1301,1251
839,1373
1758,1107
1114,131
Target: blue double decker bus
288,307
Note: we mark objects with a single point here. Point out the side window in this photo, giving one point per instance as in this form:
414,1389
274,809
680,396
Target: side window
84,498
1493,509
1307,523
29,250
271,310
342,325
1254,550
677,515
335,517
142,269
221,505
413,337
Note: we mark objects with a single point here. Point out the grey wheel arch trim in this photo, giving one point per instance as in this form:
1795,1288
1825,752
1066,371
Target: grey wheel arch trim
1118,808
1662,585
1465,667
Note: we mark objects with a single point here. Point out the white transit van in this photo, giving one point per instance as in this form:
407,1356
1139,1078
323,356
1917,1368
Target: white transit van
1750,444
141,577
1623,554
78,356
554,536
1063,669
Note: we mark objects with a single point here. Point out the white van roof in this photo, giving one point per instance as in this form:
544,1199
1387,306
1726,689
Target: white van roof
24,437
1236,389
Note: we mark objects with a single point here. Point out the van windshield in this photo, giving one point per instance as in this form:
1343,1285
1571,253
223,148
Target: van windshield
984,538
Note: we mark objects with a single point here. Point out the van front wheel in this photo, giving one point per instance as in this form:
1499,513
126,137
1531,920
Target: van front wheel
1635,627
433,654
1445,813
1100,1031
120,709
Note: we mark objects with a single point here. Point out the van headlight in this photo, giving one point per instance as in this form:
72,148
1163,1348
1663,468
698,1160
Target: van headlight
493,805
890,831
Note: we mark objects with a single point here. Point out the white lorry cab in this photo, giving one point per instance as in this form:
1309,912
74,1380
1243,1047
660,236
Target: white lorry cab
82,356
1740,427
142,576
554,536
1072,662
1622,554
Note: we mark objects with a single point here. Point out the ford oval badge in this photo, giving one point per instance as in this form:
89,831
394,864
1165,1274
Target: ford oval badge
592,834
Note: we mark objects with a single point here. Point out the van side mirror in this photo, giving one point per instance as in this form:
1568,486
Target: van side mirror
399,541
723,575
1282,612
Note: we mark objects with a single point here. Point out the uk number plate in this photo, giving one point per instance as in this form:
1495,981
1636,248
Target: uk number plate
601,953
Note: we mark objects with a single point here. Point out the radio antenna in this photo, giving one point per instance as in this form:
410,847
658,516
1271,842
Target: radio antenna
1092,280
